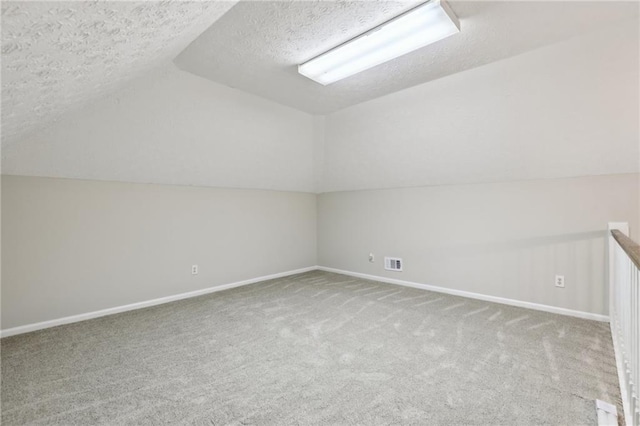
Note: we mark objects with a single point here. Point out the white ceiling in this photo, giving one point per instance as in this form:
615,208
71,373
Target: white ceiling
57,55
256,46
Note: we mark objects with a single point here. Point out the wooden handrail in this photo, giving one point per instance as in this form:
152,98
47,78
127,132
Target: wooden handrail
629,246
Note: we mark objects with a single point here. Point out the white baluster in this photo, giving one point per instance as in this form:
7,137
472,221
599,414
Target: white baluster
624,313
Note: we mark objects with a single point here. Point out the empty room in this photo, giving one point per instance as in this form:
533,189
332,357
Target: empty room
330,212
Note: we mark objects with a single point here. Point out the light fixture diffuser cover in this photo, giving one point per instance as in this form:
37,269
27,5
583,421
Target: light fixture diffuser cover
416,28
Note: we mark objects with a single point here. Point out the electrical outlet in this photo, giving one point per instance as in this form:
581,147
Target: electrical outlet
194,269
560,281
372,257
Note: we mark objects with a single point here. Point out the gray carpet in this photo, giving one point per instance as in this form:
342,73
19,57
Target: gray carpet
316,348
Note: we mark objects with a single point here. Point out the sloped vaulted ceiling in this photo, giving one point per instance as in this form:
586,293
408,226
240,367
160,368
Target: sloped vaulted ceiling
59,55
257,45
56,56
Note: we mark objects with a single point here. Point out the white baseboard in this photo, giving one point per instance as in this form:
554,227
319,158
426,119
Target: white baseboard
109,311
495,299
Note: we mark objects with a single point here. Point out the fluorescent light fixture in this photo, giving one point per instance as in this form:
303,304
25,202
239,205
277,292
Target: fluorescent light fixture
420,26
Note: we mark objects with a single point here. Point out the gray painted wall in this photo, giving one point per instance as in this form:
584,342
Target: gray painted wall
172,127
74,246
570,109
565,110
502,239
536,121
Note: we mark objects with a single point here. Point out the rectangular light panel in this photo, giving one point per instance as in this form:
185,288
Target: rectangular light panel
420,26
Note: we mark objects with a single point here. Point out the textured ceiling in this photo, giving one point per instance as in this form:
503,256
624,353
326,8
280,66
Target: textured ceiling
56,56
256,46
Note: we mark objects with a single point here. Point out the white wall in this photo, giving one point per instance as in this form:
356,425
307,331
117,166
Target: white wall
71,246
569,109
74,246
502,239
535,122
175,128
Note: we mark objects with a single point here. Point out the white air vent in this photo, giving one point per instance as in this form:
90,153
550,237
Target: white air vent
393,264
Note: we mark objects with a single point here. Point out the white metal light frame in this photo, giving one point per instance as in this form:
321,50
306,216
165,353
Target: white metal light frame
423,25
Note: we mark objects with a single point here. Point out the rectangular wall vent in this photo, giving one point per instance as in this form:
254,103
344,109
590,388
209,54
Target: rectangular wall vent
393,264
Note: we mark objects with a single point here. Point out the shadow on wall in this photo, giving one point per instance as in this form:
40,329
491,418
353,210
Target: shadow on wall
523,243
525,269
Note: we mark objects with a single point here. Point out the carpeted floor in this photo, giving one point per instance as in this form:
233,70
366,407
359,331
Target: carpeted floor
316,348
